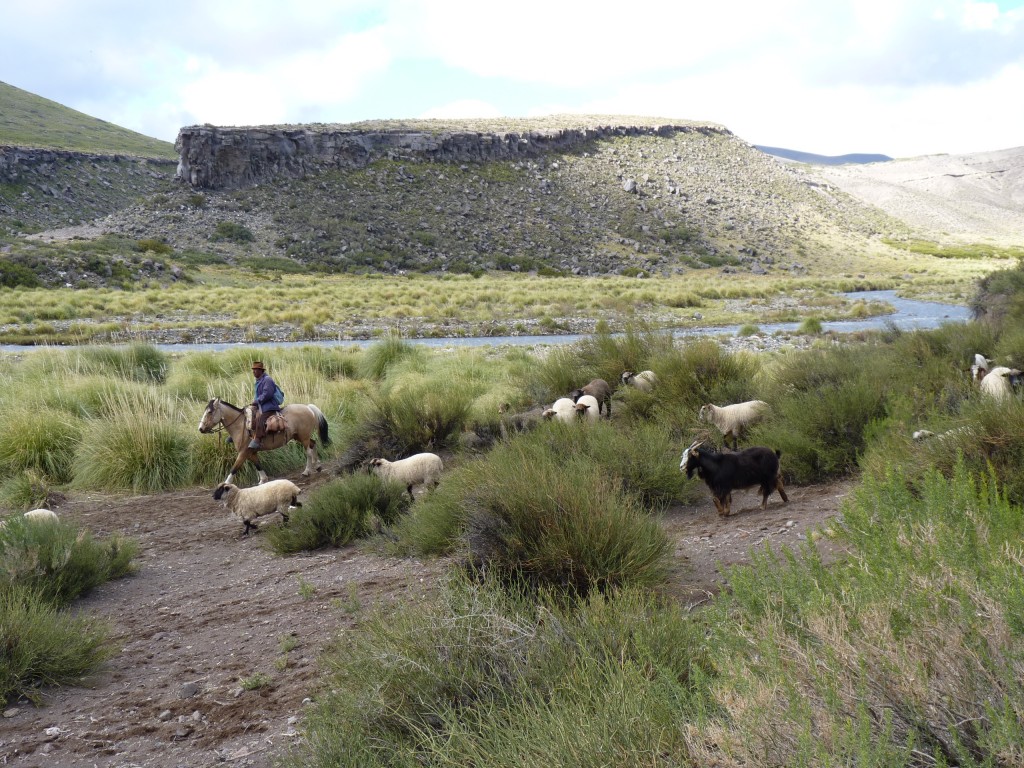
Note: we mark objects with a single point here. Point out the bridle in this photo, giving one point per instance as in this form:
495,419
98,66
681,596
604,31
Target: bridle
223,423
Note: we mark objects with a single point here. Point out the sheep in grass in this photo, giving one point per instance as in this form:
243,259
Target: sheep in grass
645,381
982,365
563,409
600,390
1000,382
587,408
265,499
733,420
37,515
421,469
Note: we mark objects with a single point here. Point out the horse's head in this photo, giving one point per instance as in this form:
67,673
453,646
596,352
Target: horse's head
211,416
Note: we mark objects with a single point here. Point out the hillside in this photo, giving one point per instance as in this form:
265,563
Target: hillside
565,194
27,120
978,196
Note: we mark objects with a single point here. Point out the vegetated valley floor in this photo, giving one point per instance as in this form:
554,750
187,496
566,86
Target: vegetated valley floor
209,609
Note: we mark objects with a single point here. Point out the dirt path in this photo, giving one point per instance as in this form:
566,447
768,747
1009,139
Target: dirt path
209,609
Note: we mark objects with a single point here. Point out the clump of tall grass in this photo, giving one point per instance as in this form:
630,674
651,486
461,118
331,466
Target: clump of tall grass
27,489
559,507
44,645
339,512
58,561
378,358
483,677
39,439
906,652
136,451
410,419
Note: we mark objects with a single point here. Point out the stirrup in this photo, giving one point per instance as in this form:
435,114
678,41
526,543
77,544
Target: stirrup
254,443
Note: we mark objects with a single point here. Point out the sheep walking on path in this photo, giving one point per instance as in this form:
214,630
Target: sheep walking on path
421,469
733,420
265,499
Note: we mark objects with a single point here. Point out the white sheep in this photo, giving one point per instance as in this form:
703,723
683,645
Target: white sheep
588,408
421,469
999,382
981,366
645,381
265,499
563,409
732,420
38,515
949,434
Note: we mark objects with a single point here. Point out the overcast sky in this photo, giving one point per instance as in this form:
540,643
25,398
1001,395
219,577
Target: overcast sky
899,77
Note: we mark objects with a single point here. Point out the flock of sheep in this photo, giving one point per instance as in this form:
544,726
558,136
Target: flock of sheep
722,472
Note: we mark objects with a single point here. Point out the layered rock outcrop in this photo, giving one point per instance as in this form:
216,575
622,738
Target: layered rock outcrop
212,157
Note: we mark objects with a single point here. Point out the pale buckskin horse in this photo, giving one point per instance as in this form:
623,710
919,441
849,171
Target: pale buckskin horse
303,421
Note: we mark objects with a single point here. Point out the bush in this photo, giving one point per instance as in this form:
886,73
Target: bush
17,276
339,512
57,562
134,451
40,440
44,646
380,357
480,677
542,511
233,232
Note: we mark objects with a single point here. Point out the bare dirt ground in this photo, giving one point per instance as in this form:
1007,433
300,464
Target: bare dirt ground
209,610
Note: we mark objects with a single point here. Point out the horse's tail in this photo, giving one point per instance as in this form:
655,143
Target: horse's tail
321,422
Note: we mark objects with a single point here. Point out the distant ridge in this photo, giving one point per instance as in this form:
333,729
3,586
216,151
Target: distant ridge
27,120
812,159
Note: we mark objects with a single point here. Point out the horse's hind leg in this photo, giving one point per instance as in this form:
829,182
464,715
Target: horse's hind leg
311,457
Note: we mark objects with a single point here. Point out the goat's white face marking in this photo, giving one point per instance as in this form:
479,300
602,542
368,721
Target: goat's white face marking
691,451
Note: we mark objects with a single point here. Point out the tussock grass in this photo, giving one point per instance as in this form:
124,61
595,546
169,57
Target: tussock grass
479,676
39,440
44,646
339,512
564,506
906,653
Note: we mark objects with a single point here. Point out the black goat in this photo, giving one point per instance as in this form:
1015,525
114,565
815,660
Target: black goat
600,391
726,472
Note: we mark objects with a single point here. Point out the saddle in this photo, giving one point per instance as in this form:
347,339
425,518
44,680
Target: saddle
276,422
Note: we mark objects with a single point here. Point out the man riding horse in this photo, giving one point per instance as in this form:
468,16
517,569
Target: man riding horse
266,402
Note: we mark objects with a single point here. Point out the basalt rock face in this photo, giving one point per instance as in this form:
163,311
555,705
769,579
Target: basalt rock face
234,158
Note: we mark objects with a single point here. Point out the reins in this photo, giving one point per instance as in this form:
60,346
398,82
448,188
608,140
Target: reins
223,424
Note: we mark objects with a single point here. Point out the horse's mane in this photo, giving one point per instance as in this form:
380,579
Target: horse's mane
230,405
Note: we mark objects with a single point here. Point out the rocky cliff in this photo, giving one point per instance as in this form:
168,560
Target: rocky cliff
234,158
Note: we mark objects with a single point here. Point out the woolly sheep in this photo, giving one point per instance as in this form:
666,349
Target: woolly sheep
523,421
588,409
645,381
265,499
1000,381
563,409
733,419
924,434
421,469
600,390
981,366
39,515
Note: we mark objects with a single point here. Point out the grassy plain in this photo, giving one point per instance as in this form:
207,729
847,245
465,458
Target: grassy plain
231,302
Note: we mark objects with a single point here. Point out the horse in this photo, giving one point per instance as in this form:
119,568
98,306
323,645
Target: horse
302,421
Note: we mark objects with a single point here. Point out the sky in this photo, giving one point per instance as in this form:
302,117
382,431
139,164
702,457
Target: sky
897,77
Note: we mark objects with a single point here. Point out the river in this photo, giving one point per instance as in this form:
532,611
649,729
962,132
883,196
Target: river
908,314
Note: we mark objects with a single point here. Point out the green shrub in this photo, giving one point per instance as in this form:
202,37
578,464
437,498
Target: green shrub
136,362
748,329
134,451
811,326
17,276
339,512
233,232
156,246
541,512
41,440
58,562
380,357
43,645
480,677
413,419
924,611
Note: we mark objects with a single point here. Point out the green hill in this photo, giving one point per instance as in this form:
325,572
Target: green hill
27,120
